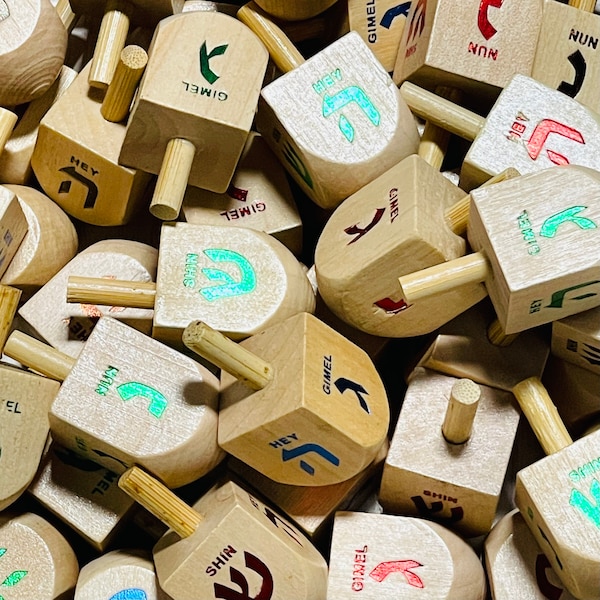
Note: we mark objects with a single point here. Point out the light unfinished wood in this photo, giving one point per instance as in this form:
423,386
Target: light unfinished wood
295,11
15,160
259,197
553,495
133,294
515,564
13,227
227,355
49,244
456,485
26,400
395,222
239,284
32,50
472,48
41,560
9,302
123,86
210,103
8,120
331,153
331,411
66,14
230,528
460,413
82,494
497,335
76,159
586,5
577,339
387,556
119,574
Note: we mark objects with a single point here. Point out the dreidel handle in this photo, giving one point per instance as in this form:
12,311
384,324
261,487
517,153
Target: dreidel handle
283,53
8,120
66,14
9,303
111,292
227,355
160,501
460,413
585,5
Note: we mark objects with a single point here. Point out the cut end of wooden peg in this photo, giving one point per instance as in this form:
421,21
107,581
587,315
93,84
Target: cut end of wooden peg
8,120
460,414
498,337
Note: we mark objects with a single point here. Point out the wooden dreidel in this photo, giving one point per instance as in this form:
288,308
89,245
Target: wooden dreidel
76,159
121,575
15,160
24,425
82,494
530,127
516,567
239,281
566,55
433,467
118,411
558,495
205,109
472,48
331,411
304,9
577,339
36,559
532,257
8,120
13,227
228,541
387,556
67,326
49,244
348,123
259,197
33,43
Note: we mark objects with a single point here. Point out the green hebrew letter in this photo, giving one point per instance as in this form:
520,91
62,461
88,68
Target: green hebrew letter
130,390
229,287
205,57
591,511
558,298
551,224
332,104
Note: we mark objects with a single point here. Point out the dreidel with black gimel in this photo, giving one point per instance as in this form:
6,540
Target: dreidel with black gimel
299,402
227,542
195,105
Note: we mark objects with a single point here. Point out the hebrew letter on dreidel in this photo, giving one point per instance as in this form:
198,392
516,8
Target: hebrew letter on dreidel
429,512
551,224
582,503
578,62
382,570
542,564
360,231
229,287
305,449
350,94
158,403
487,29
540,134
130,594
92,188
342,384
254,563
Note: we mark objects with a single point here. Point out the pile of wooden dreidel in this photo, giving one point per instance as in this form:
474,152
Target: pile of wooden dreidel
299,299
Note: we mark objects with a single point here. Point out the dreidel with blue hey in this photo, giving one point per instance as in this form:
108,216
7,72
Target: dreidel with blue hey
227,542
536,259
116,410
195,105
299,402
336,121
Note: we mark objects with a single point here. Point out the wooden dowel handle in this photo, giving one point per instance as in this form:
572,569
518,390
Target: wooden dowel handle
9,303
111,292
281,50
172,179
122,88
38,356
160,501
66,14
442,112
8,120
537,406
111,41
497,336
227,355
585,5
469,269
460,413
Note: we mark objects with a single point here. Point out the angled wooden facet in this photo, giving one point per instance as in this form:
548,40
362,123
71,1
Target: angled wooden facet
515,565
83,494
337,121
117,410
24,404
394,225
75,159
456,485
42,563
67,326
33,43
567,56
259,197
472,46
323,417
386,556
13,227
